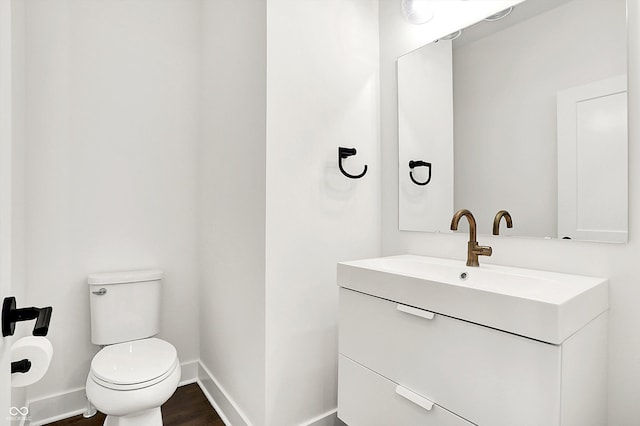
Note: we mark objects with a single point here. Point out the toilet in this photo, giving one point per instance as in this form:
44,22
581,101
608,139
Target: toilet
135,372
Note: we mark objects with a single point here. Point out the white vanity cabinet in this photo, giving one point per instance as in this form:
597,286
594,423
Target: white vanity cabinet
406,365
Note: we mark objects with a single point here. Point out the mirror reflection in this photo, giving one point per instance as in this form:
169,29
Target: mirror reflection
526,114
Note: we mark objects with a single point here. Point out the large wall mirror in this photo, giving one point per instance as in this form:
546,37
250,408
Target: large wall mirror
528,114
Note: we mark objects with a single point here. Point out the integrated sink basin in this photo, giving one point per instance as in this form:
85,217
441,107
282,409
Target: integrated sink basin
541,305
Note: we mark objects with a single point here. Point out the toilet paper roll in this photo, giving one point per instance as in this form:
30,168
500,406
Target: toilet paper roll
36,349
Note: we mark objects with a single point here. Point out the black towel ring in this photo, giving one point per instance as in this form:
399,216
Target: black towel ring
344,153
419,163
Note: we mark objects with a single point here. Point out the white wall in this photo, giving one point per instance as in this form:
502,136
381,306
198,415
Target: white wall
617,262
232,200
122,173
276,214
322,87
505,122
111,136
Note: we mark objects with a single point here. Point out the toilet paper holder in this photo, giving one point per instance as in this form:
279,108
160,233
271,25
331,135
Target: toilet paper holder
11,315
21,366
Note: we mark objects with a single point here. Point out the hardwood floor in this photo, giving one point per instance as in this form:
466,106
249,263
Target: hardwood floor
187,407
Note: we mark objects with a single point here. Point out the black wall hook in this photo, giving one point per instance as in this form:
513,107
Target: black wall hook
419,163
348,152
11,315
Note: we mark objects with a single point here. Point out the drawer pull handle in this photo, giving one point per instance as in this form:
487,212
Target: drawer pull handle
416,312
414,397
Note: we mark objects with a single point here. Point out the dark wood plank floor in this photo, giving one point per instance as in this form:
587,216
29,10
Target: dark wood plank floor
187,407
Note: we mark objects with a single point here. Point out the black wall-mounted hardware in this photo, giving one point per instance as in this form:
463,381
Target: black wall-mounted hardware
419,163
344,153
11,315
21,366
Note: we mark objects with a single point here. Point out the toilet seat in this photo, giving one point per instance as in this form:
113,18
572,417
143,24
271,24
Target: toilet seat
134,365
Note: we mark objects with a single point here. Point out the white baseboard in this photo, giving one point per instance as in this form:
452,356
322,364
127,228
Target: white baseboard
232,415
330,418
56,407
72,403
189,372
224,405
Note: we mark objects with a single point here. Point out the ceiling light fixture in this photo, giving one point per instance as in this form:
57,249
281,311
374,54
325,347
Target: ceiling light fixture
417,12
452,36
500,15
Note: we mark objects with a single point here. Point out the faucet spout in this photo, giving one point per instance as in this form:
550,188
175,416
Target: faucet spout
472,222
496,221
473,249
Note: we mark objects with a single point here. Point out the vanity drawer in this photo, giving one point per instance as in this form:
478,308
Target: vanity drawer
486,376
368,399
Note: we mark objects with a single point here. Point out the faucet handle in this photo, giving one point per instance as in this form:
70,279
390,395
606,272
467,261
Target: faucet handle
474,250
483,250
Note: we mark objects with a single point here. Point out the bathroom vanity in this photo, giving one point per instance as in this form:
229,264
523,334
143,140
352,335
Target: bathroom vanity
429,341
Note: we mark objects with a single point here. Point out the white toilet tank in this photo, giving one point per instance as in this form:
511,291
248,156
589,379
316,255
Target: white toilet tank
125,305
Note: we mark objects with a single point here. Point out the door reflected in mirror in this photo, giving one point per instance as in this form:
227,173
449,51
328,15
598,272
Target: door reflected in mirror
527,114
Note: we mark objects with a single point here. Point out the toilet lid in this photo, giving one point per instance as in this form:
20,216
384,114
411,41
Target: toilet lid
135,362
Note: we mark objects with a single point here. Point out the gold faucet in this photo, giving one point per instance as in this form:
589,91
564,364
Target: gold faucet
473,249
496,221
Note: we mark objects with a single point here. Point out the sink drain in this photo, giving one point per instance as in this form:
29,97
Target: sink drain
464,276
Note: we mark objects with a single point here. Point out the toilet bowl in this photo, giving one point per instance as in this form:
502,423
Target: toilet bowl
134,373
130,381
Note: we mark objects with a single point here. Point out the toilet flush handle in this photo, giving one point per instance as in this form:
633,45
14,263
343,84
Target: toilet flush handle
100,292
